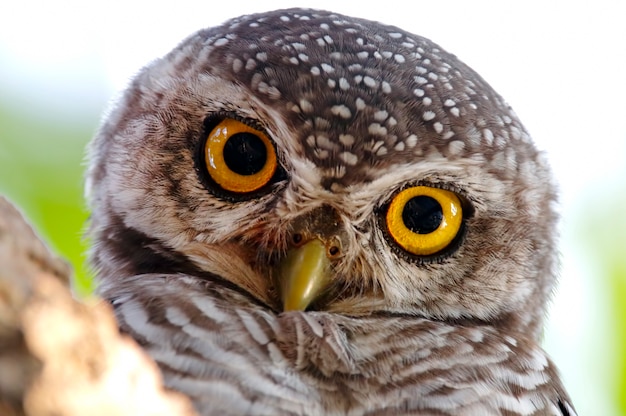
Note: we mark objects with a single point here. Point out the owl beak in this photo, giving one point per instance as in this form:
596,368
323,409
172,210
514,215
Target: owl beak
304,274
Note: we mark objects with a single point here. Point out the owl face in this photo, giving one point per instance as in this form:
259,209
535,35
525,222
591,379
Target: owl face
329,163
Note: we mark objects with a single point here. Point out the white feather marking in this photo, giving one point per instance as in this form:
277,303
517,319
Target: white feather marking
313,324
528,380
253,327
208,308
523,405
176,316
136,317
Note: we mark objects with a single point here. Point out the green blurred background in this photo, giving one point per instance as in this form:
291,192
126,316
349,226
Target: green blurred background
560,64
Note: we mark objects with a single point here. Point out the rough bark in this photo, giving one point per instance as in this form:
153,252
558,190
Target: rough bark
60,356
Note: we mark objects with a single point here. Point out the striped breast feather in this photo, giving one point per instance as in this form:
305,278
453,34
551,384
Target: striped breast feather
231,355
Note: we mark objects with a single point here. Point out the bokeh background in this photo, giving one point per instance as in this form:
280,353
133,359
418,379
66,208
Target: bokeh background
561,65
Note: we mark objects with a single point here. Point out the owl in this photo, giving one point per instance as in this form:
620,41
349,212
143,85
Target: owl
304,213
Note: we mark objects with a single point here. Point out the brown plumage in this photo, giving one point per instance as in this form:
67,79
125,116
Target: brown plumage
300,212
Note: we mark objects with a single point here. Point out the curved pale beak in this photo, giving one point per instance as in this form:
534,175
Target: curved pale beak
303,275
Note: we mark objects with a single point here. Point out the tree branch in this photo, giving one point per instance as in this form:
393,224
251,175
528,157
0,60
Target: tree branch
59,356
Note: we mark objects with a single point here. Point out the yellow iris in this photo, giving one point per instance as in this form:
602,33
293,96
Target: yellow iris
238,157
424,220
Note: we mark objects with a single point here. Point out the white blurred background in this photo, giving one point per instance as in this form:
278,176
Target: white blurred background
561,65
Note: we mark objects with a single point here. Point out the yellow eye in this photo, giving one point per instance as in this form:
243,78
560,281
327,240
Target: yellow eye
424,220
238,157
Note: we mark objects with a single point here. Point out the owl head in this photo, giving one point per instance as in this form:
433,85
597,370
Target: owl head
320,162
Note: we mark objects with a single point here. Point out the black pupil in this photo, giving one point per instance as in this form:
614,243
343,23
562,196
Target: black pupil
245,153
422,214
